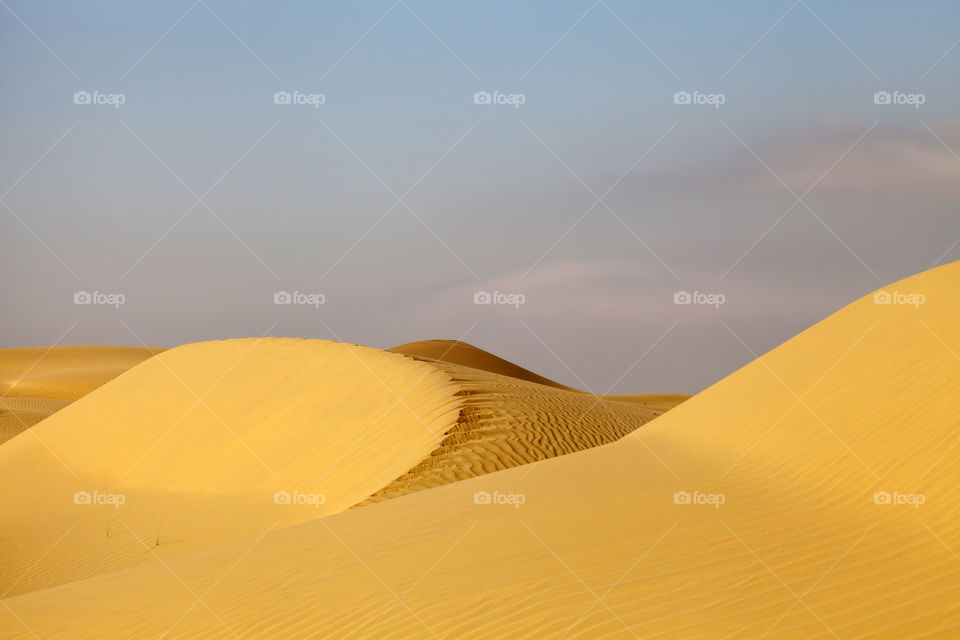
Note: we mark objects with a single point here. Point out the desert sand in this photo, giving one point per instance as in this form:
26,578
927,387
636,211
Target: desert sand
811,494
204,441
37,382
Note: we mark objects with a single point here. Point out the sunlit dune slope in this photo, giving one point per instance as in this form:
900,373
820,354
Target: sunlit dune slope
37,382
199,439
352,424
815,493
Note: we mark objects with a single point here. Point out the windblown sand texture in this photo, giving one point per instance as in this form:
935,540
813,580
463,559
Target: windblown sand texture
811,494
37,382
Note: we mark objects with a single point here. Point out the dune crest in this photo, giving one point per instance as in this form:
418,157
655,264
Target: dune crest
191,448
812,494
202,438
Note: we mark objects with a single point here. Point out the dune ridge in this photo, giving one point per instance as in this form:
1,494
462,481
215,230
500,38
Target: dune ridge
502,424
203,469
200,439
776,504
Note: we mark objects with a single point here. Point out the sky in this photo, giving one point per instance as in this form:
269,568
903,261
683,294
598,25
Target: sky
368,172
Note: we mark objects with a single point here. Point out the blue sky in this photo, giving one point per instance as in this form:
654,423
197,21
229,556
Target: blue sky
491,197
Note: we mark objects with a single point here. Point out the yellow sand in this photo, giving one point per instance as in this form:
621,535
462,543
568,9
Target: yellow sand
338,424
797,445
199,439
37,382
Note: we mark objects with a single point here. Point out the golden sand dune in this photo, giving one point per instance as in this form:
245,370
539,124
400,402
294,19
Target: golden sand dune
191,447
812,494
37,382
202,437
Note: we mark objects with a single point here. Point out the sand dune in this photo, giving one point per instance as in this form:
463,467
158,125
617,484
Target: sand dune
812,494
37,382
198,441
202,437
